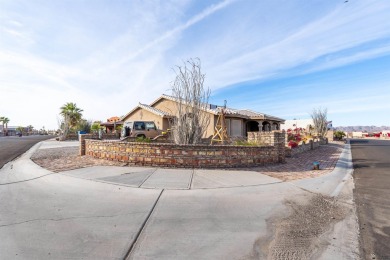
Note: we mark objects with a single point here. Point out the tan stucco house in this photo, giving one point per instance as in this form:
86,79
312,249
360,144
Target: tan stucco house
238,121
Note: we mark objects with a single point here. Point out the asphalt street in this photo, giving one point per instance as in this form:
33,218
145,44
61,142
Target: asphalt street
371,160
13,146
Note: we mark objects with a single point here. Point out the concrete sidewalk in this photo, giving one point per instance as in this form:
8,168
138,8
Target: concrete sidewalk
133,212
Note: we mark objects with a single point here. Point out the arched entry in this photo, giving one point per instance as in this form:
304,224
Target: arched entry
275,126
266,126
252,126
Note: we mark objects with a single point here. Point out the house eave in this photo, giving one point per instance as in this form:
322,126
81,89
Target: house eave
147,108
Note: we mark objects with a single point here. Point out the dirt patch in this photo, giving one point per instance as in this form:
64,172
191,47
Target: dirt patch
298,235
67,158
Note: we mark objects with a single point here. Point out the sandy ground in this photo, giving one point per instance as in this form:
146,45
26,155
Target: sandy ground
317,227
297,236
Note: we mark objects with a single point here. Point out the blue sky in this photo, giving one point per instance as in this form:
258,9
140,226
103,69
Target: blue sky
282,58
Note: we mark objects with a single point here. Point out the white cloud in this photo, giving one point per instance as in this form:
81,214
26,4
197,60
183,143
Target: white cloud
346,27
15,23
166,35
352,58
106,83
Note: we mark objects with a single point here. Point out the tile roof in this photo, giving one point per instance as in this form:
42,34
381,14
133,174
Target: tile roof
248,114
241,113
113,119
154,110
213,111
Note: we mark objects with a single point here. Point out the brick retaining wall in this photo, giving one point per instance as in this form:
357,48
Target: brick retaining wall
185,156
105,136
277,139
267,138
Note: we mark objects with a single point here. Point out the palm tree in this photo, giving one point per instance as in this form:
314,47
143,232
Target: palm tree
72,112
1,121
21,130
5,121
30,128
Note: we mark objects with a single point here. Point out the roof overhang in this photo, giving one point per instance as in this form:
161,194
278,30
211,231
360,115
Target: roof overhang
229,112
147,108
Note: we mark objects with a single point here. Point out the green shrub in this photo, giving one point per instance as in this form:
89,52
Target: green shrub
95,127
142,139
84,125
339,135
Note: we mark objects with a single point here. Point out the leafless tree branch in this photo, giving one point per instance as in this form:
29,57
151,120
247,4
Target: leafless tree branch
191,120
320,121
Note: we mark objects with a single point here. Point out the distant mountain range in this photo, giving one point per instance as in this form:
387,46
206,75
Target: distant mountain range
362,128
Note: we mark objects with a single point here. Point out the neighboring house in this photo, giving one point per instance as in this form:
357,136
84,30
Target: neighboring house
238,121
11,130
305,124
297,123
112,123
301,123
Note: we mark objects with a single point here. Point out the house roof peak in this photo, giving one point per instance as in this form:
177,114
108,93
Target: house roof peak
213,109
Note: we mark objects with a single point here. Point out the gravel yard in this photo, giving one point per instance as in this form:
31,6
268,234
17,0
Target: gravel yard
67,158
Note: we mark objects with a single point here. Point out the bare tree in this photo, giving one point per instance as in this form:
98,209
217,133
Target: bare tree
64,126
192,120
320,121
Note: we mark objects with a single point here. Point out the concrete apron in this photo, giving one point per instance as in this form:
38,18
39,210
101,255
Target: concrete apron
202,214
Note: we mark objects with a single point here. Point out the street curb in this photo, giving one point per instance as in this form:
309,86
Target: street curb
340,166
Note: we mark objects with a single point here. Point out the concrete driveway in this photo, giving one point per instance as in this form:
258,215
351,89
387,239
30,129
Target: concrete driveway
143,213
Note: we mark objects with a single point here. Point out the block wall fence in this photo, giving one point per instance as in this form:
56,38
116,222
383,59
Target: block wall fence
188,156
106,136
